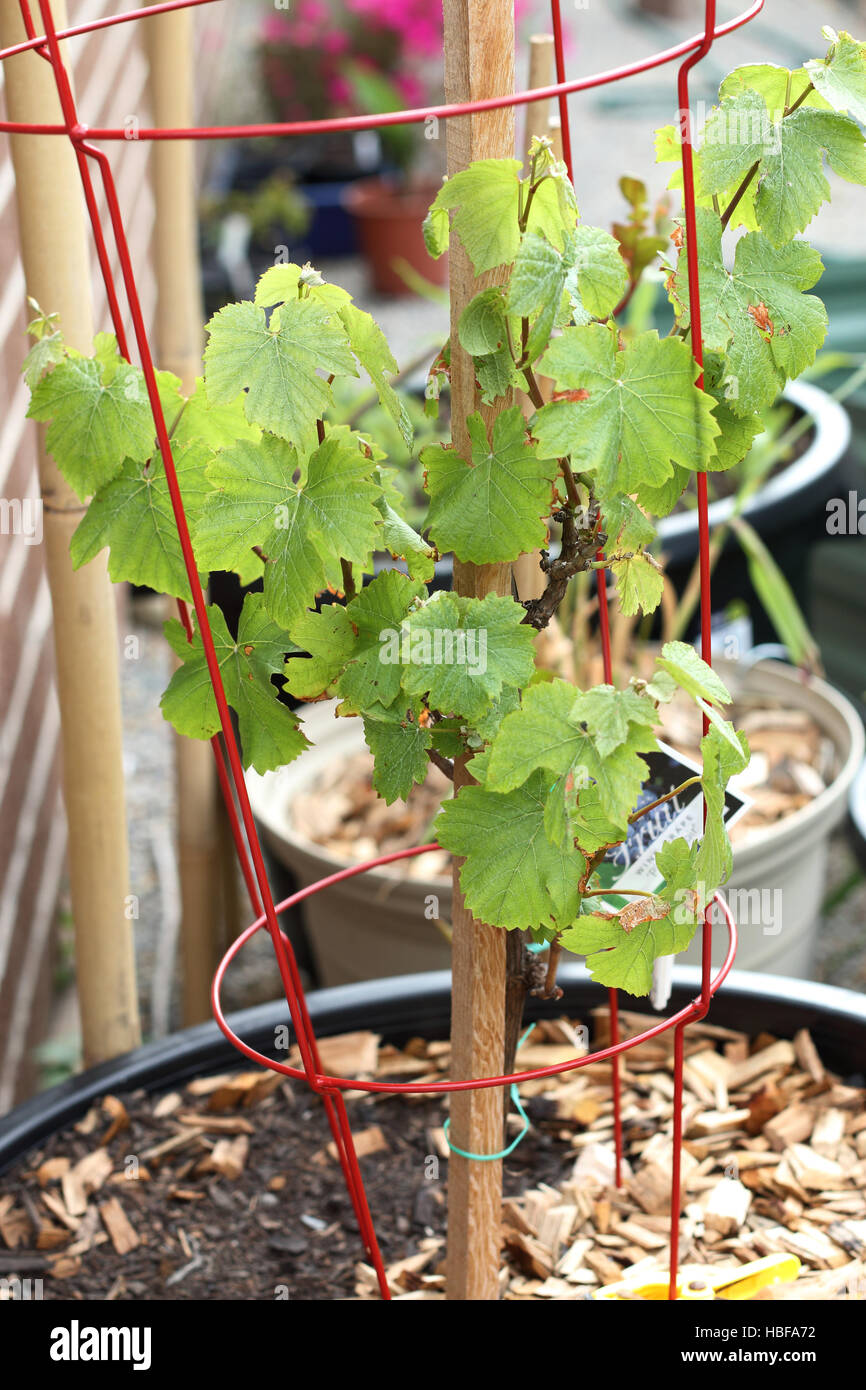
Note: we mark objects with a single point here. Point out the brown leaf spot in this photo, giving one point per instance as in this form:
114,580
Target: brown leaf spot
650,909
761,315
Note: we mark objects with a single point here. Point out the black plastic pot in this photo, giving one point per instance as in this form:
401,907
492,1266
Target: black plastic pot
413,1005
789,512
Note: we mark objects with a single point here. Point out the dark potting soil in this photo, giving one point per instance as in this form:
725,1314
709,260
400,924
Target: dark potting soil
283,1228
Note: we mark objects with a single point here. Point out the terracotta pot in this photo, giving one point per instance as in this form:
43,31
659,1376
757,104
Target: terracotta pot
388,219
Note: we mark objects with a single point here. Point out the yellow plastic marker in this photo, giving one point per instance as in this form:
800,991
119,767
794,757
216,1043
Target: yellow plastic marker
709,1282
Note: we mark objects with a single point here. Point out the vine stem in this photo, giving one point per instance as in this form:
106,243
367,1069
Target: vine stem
669,796
534,392
444,764
743,188
733,204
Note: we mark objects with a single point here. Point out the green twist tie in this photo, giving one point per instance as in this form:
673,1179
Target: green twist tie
503,1153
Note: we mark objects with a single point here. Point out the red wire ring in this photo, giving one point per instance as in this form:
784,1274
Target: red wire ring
323,1081
337,123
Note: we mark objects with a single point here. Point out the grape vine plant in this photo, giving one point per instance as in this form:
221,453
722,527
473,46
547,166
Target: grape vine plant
617,427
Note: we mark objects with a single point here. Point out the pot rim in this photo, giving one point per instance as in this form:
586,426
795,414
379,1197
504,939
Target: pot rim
831,438
400,1006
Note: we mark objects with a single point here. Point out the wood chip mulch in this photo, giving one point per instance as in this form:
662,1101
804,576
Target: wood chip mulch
792,762
229,1188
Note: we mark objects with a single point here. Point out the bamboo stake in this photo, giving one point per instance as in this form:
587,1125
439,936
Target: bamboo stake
479,62
54,250
169,39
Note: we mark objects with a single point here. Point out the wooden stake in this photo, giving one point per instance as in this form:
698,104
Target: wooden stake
54,251
527,573
479,62
169,39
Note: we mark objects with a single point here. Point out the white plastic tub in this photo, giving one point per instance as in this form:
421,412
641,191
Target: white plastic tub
379,923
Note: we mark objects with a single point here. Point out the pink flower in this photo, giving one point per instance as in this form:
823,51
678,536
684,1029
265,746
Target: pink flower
339,90
335,41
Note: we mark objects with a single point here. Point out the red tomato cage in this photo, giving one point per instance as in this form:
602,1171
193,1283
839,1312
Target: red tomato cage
95,170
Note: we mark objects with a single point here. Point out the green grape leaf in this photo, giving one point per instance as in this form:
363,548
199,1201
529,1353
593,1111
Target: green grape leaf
370,346
436,228
789,151
483,333
598,274
778,86
682,663
590,272
738,432
270,737
537,276
485,201
840,78
540,734
399,748
625,524
46,352
578,735
757,313
589,824
676,861
661,499
282,283
611,713
481,329
376,614
329,638
96,422
303,528
496,374
513,876
214,425
277,367
720,762
723,726
404,542
494,508
621,957
462,651
486,726
133,516
629,416
639,584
